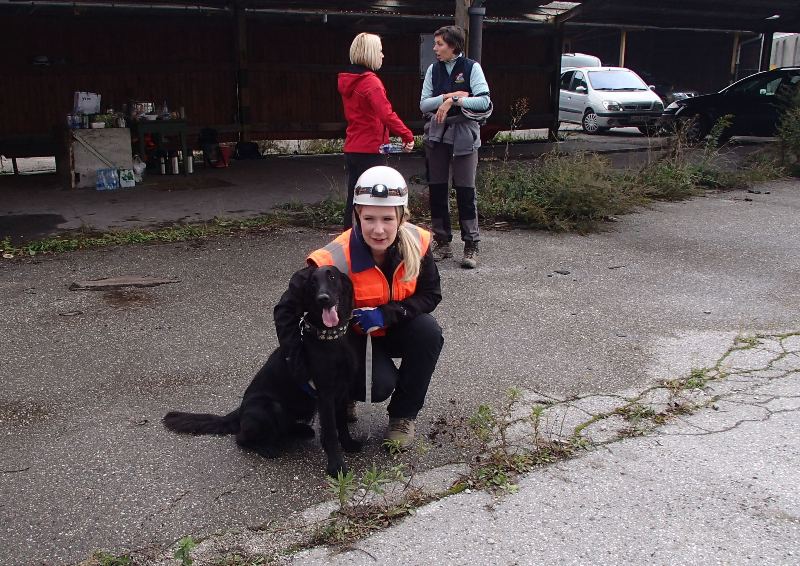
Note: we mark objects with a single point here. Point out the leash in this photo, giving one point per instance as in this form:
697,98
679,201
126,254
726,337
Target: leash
368,381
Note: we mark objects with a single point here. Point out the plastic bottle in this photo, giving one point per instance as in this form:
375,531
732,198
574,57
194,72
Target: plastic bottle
391,148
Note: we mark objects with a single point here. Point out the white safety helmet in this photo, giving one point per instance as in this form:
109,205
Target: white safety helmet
381,186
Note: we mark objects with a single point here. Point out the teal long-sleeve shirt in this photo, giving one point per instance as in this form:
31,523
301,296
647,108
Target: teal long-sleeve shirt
477,83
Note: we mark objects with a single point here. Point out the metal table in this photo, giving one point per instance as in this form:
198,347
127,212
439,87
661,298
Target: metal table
158,129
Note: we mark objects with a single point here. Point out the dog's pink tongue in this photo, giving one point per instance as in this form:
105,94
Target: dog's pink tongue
330,318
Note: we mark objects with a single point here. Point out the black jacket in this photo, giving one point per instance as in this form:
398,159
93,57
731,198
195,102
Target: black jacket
289,310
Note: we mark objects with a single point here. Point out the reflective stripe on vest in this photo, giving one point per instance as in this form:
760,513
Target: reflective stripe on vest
336,253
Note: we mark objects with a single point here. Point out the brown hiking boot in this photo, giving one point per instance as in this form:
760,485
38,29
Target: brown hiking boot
351,412
470,259
401,431
441,250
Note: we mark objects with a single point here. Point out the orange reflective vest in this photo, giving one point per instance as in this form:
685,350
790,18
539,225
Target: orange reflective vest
348,253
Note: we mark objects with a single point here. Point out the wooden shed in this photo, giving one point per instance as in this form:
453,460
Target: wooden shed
267,68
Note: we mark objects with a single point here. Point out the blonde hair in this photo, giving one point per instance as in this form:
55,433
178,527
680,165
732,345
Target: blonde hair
366,50
406,242
408,245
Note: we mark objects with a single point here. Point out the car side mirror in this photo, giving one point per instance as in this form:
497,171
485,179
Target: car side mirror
652,87
581,89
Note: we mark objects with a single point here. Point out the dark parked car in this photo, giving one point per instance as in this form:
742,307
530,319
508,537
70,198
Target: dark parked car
755,102
665,89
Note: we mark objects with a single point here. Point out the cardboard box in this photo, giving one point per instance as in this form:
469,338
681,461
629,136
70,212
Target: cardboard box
86,103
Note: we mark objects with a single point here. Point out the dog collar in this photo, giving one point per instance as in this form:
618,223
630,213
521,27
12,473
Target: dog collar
324,333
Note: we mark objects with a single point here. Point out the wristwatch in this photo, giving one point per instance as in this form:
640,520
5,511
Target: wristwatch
455,99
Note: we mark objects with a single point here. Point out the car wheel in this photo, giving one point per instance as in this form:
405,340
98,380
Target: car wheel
694,129
591,123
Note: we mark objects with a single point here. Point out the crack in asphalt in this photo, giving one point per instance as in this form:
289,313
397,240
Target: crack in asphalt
232,486
683,396
163,509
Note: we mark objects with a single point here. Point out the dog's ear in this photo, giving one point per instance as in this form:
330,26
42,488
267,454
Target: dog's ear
310,290
347,293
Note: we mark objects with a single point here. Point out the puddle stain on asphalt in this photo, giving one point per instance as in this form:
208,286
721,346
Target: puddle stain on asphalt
127,298
20,413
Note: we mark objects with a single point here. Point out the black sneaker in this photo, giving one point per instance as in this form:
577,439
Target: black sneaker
470,259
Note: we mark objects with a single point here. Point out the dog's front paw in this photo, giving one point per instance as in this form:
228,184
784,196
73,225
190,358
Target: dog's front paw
351,445
335,468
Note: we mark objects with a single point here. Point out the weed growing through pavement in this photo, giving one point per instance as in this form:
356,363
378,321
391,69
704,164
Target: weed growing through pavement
364,504
241,560
101,558
88,238
183,552
510,443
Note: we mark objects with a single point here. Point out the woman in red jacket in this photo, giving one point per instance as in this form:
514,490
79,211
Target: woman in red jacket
369,114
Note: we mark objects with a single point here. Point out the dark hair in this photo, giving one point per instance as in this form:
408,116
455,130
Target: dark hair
452,36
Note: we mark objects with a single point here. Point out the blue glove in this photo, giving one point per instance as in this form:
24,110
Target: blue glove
368,319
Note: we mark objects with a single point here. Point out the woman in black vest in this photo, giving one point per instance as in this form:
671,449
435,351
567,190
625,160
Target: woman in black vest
452,140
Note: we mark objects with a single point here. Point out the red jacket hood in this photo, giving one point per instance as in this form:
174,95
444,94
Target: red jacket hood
350,79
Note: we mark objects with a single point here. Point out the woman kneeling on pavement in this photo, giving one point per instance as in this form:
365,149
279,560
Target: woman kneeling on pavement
396,287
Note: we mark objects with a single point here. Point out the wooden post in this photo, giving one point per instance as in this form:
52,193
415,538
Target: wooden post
462,20
555,79
766,50
737,38
623,38
242,73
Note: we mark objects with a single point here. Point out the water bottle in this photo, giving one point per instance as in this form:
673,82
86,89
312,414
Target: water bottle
391,148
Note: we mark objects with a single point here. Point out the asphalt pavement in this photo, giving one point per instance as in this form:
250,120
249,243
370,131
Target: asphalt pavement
87,375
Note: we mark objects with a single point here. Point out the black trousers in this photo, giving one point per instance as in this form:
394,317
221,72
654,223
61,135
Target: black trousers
418,342
356,164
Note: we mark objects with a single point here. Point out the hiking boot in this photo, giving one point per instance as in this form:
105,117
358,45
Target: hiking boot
401,431
351,412
441,250
470,259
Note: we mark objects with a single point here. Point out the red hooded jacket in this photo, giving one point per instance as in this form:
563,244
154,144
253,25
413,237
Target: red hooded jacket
369,114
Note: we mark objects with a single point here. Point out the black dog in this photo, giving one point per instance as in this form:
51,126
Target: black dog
274,405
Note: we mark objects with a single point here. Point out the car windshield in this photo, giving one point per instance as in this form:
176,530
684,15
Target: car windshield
615,80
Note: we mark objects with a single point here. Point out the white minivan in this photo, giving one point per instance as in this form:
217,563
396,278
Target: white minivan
599,98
